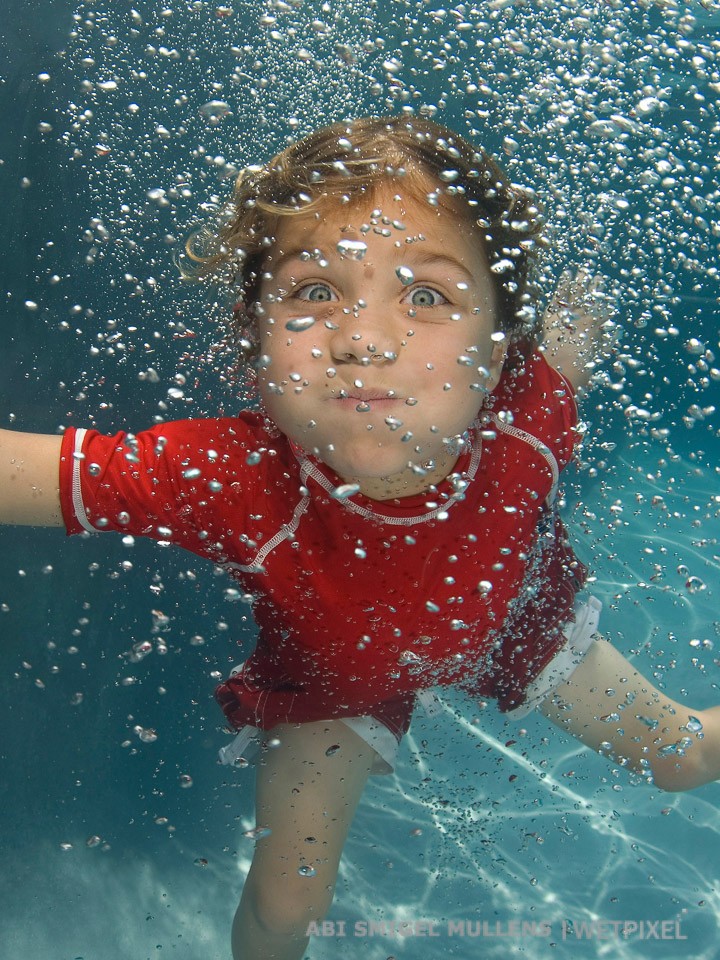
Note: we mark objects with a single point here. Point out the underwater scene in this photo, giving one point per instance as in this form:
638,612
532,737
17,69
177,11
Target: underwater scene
125,124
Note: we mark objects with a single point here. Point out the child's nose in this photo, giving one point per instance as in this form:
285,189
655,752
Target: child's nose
363,340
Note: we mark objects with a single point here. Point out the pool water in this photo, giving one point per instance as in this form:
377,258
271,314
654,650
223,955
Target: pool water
123,836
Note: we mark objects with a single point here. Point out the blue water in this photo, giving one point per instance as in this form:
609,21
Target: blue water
106,854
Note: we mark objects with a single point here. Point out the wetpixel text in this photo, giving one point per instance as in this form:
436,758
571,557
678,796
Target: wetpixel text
495,929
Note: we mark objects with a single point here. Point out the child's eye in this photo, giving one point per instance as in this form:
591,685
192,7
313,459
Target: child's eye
425,297
315,292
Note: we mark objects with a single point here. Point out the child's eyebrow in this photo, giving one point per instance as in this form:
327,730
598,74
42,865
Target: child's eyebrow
416,258
429,259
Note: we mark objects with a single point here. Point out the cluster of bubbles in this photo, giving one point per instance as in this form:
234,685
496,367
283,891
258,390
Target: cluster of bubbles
608,109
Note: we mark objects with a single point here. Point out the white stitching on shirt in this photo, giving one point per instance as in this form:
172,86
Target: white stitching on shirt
77,499
284,533
542,449
310,469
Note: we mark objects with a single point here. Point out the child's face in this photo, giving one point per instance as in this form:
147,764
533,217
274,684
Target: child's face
372,339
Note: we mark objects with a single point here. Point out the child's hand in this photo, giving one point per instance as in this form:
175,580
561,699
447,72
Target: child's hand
580,332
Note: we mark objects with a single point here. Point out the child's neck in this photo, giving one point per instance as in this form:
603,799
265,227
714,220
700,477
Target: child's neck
408,483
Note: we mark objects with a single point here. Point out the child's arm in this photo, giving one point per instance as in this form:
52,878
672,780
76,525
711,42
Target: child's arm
579,329
29,492
613,709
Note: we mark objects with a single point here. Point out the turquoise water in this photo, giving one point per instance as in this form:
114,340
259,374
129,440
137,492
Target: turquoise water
107,852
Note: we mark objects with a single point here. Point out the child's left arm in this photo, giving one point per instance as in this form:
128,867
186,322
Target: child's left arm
579,329
613,709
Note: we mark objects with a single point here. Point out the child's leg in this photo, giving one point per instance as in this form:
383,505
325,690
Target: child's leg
611,707
307,792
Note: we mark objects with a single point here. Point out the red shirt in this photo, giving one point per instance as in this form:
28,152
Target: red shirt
358,601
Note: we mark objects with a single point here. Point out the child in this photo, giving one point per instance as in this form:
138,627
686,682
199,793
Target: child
390,508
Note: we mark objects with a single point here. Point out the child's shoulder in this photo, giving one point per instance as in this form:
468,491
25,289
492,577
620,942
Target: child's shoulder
531,379
538,400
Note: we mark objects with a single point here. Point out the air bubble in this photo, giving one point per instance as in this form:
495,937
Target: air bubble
146,735
257,833
215,110
298,324
345,490
352,249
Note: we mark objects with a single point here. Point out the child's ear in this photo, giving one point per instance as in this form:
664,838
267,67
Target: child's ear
497,361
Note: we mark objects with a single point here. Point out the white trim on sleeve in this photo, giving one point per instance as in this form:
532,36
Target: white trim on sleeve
77,500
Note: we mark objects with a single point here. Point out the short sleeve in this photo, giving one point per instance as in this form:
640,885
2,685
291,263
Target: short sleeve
175,482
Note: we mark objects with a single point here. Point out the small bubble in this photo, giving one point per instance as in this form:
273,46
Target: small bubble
298,324
200,862
215,110
307,871
695,585
409,658
345,490
647,105
649,722
93,841
140,651
186,780
146,735
257,833
694,346
502,266
352,249
405,276
694,725
332,750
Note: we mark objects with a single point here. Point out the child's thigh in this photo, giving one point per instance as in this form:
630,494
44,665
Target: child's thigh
308,788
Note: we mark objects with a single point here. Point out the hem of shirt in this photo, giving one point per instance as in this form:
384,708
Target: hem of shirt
248,742
580,634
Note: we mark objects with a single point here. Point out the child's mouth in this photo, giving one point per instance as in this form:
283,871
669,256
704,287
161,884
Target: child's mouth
366,400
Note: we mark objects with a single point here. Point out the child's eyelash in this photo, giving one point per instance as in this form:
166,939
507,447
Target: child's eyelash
301,291
440,298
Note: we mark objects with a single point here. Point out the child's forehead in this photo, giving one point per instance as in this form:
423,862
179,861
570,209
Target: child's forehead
392,212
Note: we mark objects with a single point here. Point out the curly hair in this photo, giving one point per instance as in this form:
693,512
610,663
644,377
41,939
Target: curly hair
349,160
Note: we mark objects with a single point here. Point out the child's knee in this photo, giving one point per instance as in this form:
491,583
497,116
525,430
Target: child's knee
287,909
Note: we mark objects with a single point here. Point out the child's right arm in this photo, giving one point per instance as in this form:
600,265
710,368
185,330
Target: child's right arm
579,329
29,490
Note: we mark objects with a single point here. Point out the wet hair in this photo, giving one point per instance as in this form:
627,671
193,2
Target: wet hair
347,161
